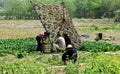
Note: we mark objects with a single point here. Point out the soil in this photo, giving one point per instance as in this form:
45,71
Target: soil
30,28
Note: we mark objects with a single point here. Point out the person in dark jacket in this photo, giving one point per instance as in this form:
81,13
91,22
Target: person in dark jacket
70,54
41,38
67,39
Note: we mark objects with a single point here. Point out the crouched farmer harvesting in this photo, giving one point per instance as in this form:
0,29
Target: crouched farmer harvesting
41,38
70,54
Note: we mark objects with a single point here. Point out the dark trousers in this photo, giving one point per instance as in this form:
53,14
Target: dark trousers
69,55
39,43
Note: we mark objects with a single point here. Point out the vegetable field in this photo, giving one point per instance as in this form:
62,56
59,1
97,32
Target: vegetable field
18,44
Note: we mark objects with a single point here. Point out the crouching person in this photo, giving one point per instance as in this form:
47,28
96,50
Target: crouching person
59,43
70,54
41,38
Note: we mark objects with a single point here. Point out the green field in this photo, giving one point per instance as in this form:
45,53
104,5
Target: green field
30,28
17,45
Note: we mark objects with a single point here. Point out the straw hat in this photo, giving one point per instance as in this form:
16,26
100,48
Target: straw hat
69,46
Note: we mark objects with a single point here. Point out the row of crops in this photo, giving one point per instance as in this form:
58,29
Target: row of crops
100,46
28,45
101,64
15,46
91,60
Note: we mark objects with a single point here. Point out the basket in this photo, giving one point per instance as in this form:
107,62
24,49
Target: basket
46,48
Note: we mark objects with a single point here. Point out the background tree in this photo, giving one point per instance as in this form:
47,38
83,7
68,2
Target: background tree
22,9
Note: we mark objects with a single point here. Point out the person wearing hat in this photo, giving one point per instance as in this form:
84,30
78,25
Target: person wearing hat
41,38
70,54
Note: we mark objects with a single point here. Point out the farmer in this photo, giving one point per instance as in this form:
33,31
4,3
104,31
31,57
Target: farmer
41,38
67,39
70,54
59,43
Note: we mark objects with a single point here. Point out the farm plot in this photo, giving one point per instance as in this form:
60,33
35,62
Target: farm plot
30,28
17,45
19,56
